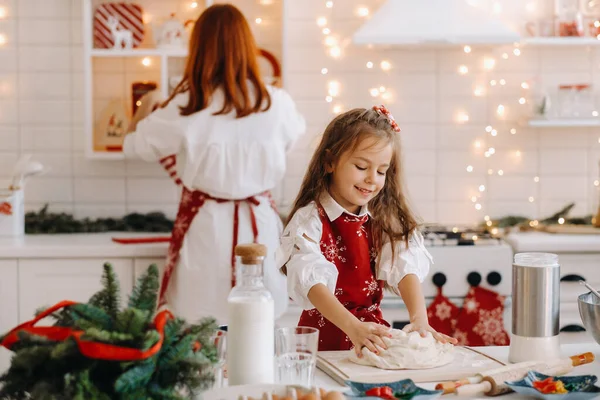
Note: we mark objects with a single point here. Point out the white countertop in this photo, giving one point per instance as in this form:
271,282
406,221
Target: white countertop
80,245
500,353
553,242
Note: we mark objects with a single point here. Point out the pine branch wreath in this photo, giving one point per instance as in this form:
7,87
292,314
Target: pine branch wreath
44,369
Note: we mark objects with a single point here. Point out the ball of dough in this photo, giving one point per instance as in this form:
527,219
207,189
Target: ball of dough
407,351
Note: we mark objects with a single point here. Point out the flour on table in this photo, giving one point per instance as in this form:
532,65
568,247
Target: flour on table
407,351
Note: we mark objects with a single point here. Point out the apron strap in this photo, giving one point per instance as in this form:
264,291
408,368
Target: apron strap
191,202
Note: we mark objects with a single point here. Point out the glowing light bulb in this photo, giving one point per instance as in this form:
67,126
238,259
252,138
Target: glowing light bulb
502,82
486,218
374,92
337,109
321,21
386,65
594,113
335,52
596,183
467,49
326,31
477,144
517,52
463,69
258,20
492,150
333,88
362,11
146,62
493,82
478,206
536,179
3,13
513,131
369,64
469,168
522,100
382,89
482,188
479,91
462,117
194,4
500,172
474,199
330,41
561,220
494,132
531,199
324,71
500,110
525,85
490,171
329,99
489,63
489,128
2,39
505,56
329,4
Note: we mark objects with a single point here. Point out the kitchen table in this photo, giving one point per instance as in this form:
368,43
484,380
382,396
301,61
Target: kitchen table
501,354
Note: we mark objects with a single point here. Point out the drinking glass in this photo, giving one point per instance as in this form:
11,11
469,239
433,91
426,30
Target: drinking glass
219,339
296,355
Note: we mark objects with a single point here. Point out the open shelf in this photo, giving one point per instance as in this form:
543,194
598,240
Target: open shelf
564,123
561,41
105,155
139,53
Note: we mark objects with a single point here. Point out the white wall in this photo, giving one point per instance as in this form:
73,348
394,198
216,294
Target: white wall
427,94
41,82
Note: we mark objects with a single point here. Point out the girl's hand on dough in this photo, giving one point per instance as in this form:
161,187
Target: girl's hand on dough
423,327
369,335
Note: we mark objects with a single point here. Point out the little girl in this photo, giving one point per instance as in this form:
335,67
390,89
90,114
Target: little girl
350,233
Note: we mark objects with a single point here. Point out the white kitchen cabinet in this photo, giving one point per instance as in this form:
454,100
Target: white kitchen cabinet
8,305
45,282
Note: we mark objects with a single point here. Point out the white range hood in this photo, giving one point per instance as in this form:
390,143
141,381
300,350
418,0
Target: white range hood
433,22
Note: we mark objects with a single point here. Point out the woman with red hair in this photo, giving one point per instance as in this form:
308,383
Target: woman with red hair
228,132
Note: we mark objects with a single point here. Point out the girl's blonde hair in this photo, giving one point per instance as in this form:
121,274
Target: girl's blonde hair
391,215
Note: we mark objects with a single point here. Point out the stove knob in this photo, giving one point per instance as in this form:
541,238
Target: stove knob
494,278
474,278
439,279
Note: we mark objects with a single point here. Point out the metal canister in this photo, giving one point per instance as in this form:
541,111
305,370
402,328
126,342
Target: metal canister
535,307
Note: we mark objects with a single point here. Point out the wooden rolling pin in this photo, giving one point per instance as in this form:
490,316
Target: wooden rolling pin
493,384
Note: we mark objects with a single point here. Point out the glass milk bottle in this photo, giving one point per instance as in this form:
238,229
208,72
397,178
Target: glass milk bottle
251,313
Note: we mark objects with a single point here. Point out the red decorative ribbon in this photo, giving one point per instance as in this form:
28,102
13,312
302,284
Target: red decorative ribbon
90,349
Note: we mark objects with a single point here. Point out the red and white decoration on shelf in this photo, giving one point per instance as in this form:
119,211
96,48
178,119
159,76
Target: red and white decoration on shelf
118,25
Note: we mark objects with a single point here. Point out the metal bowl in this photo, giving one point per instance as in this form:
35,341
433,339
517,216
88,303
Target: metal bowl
589,310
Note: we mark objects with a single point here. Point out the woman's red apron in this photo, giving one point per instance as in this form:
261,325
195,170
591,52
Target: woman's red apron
189,205
347,243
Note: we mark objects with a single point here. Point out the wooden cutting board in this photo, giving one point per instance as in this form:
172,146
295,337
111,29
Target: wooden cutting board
467,362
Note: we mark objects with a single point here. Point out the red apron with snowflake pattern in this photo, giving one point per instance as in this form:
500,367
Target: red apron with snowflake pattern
347,243
189,205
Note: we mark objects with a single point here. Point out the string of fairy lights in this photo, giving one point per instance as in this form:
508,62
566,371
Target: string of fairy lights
335,45
505,112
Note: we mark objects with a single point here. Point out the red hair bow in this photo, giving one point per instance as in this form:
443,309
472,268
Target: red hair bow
384,111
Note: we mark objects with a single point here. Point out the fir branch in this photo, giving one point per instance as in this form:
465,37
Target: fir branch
97,316
132,321
108,299
107,336
144,294
135,378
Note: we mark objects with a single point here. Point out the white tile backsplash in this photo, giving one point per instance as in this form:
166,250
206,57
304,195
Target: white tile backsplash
41,111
